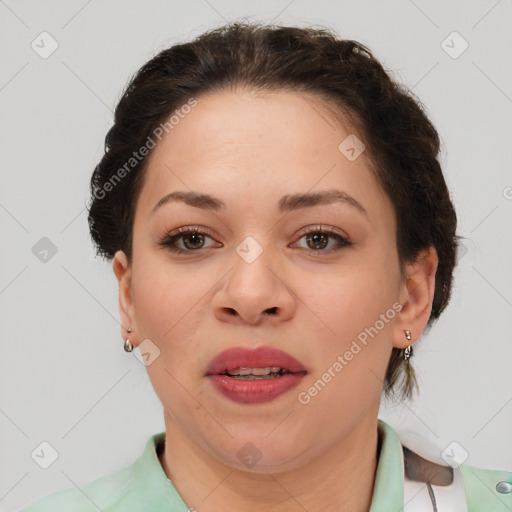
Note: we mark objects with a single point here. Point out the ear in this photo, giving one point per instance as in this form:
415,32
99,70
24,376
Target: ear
123,271
416,296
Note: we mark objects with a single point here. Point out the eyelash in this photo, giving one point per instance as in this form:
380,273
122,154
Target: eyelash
168,241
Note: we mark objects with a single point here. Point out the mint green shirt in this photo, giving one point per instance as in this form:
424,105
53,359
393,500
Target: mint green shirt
143,486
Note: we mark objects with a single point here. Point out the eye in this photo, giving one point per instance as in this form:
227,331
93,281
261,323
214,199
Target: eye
187,239
191,239
322,238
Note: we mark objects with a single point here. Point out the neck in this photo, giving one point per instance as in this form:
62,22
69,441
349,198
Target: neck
339,480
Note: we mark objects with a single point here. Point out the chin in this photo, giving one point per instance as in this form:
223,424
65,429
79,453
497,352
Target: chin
263,454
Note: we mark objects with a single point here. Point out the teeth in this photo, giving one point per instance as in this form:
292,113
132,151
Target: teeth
256,377
243,371
261,371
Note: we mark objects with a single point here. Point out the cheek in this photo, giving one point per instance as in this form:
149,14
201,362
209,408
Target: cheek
347,300
165,299
351,355
354,313
168,311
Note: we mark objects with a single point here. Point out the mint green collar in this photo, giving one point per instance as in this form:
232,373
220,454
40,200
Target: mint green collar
144,486
388,491
151,487
149,483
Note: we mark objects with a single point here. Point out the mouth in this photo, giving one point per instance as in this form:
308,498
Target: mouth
254,375
269,372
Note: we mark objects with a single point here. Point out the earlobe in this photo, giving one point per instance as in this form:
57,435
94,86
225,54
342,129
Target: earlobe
416,297
122,271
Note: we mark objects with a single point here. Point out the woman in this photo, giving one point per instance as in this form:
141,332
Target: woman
282,234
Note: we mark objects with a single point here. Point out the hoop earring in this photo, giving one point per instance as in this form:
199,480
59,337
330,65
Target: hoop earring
127,345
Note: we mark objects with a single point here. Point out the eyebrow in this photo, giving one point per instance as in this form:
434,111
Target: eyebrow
286,203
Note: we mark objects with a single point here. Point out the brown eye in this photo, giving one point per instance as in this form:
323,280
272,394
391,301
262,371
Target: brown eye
193,240
323,240
319,240
188,240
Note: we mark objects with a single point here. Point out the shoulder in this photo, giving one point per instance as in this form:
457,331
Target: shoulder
487,489
127,488
99,494
453,486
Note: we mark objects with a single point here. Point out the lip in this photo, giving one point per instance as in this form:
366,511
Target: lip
258,357
254,391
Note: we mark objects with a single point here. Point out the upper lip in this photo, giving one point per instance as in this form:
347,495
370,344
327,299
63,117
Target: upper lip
258,357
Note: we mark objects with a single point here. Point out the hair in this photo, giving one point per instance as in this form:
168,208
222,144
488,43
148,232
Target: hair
402,143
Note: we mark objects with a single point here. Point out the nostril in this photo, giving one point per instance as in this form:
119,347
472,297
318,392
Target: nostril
271,311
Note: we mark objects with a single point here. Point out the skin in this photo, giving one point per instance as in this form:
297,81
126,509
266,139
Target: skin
249,151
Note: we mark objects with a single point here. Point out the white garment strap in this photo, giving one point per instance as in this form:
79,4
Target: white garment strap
422,497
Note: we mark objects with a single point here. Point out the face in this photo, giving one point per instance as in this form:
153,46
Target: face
258,269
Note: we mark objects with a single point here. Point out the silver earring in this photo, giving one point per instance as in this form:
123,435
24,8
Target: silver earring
408,350
127,345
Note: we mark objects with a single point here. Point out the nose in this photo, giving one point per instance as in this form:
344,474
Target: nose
254,293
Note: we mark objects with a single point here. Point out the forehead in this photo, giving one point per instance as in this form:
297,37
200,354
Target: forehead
258,119
271,144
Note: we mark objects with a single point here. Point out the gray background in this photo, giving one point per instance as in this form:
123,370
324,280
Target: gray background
64,377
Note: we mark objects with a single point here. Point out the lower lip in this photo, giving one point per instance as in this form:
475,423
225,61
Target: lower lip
255,391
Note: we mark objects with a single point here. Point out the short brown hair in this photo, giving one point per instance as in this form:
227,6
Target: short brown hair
399,137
